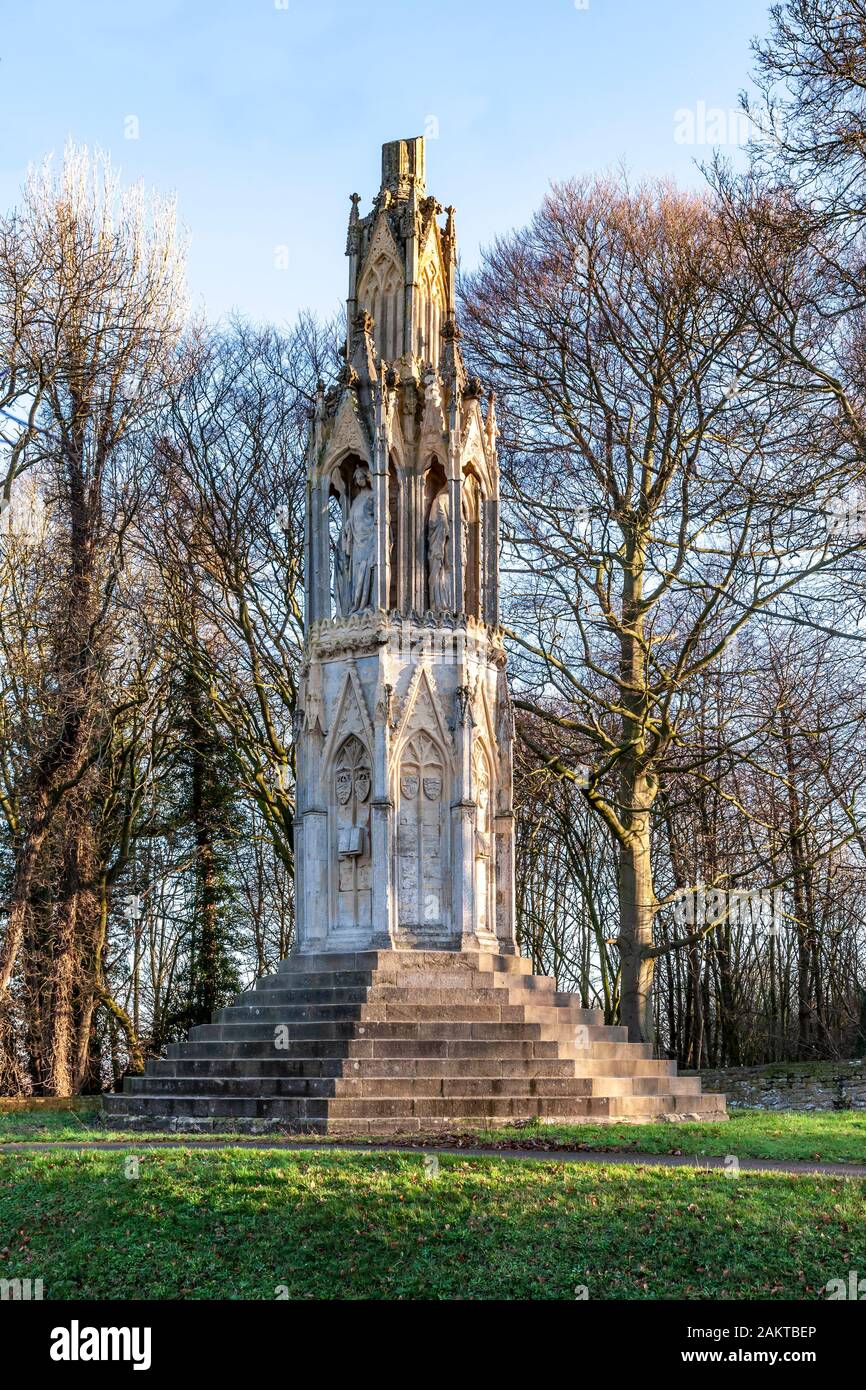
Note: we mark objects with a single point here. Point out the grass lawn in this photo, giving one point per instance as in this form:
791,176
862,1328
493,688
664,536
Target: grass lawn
244,1224
836,1136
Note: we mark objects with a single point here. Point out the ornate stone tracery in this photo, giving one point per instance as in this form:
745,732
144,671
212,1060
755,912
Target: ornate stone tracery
352,786
421,831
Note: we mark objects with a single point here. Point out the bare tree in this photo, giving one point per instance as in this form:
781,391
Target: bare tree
229,543
648,438
95,274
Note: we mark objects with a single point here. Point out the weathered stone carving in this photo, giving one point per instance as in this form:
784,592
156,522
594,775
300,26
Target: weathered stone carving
352,782
438,532
419,833
358,545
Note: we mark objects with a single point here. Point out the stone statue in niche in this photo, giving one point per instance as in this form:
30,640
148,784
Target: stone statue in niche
358,546
420,833
438,530
352,784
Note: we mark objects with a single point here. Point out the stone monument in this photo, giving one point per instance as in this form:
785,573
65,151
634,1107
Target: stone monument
404,1004
404,831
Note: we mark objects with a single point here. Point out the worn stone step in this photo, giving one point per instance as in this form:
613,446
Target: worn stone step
465,997
477,1108
303,982
441,1066
403,986
311,1048
238,1107
248,1029
610,1064
375,1011
469,1066
372,1089
410,978
326,1048
230,1085
508,1047
620,1050
276,995
387,963
245,1066
565,1016
678,1086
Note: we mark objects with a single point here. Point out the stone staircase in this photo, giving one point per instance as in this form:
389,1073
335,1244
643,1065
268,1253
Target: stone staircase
388,1042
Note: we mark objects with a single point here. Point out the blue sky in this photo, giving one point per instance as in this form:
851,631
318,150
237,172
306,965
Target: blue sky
264,115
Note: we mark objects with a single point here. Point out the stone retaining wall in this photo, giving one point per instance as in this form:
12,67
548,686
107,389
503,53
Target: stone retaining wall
787,1086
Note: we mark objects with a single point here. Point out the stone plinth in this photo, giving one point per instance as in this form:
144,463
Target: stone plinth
378,1043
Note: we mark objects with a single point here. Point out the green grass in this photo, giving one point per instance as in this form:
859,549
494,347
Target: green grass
243,1224
84,1122
834,1136
830,1135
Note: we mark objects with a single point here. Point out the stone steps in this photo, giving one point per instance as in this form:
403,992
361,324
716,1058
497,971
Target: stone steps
314,1047
385,1068
455,1108
390,996
250,1029
385,1087
385,964
482,1012
430,983
402,1041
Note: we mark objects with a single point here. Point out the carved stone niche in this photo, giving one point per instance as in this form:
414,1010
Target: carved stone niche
484,867
421,834
352,781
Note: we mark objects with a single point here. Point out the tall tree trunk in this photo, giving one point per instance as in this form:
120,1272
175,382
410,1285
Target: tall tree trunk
637,901
205,983
77,923
636,914
801,894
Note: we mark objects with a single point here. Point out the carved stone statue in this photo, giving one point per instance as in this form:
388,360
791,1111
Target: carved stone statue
358,542
438,530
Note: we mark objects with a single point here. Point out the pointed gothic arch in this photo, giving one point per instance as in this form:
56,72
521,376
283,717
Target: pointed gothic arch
421,798
351,787
472,508
381,293
484,795
421,787
341,490
431,304
436,595
396,527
